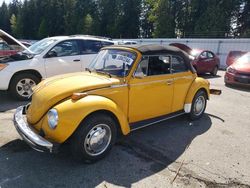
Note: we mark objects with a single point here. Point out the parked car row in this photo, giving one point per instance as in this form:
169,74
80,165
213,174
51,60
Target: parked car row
238,62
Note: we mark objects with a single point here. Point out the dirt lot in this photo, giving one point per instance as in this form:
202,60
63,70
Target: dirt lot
211,152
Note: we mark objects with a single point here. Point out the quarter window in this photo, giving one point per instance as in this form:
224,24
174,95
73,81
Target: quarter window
90,47
107,43
178,64
210,55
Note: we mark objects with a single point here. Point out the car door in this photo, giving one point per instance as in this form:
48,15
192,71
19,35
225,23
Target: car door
63,58
183,79
202,62
212,61
205,62
89,49
151,89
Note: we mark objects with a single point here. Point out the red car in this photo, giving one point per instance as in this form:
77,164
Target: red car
204,61
6,43
6,50
239,71
233,56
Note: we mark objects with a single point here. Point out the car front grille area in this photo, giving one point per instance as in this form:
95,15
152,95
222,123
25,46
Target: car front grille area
242,79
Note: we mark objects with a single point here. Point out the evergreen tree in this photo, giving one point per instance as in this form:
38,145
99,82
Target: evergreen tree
4,18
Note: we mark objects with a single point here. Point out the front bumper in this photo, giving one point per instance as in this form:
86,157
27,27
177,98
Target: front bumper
237,79
29,135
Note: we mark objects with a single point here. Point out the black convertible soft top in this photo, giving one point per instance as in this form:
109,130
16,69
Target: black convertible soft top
154,49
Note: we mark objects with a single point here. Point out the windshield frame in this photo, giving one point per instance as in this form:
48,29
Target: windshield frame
92,69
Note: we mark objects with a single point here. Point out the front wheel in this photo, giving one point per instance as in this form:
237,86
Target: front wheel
21,86
198,105
94,138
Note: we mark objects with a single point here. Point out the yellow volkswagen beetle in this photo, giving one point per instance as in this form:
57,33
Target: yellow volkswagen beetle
125,88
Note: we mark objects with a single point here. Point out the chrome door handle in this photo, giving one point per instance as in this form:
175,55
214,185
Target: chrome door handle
170,82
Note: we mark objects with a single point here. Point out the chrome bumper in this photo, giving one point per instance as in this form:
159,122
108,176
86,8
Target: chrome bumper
28,134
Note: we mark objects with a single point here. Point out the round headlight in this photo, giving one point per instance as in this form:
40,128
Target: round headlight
52,118
231,70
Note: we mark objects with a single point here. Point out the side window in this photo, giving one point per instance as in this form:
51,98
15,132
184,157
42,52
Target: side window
210,55
90,47
6,47
142,69
66,48
1,46
104,43
203,55
158,65
178,64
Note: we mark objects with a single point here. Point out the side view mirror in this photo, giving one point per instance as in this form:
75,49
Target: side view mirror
51,53
139,75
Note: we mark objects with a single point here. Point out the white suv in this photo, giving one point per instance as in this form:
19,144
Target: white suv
48,57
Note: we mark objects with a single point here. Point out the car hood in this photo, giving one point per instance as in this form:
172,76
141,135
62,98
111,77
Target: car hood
241,67
183,47
11,40
51,91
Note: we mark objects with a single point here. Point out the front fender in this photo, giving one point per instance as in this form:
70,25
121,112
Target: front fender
198,83
71,113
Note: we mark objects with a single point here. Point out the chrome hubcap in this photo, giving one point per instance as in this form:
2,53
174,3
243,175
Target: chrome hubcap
98,139
199,105
24,87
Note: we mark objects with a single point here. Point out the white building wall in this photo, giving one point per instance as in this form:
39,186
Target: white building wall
220,47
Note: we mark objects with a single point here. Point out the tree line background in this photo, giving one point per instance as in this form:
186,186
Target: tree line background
36,19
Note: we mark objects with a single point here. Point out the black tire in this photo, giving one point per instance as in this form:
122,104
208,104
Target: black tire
215,71
16,79
79,148
202,96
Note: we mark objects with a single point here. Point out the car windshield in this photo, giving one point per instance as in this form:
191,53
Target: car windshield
113,62
40,46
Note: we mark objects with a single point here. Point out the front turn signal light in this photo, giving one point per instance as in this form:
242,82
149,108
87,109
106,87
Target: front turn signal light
2,66
77,96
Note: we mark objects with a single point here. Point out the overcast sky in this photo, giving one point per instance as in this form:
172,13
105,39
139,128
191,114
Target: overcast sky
6,1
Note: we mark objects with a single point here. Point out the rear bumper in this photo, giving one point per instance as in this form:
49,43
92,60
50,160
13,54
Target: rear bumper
28,134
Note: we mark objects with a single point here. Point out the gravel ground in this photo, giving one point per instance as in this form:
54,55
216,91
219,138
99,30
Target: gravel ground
211,152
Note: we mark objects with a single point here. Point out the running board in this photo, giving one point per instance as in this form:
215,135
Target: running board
144,123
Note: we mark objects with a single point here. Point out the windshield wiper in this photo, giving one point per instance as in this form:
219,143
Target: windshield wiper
103,72
87,69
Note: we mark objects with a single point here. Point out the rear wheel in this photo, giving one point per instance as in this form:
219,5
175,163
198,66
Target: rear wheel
215,71
94,138
198,105
21,85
